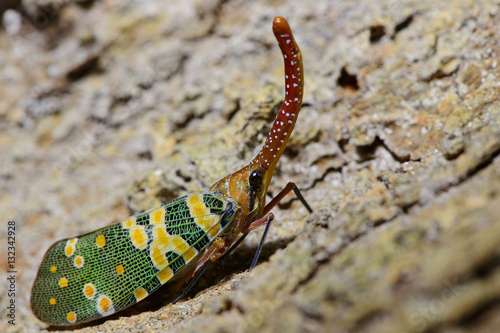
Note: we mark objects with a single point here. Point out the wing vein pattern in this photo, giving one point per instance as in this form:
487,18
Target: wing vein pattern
109,269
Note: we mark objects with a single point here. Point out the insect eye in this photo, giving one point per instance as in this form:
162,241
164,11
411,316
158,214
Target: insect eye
255,180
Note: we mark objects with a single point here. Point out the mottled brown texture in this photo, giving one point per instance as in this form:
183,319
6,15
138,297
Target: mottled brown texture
108,109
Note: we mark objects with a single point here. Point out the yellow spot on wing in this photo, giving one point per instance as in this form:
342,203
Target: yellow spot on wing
105,305
63,282
140,293
158,216
201,214
69,249
139,237
196,205
100,241
120,270
79,261
210,221
89,290
71,317
129,223
158,258
164,275
52,301
183,248
164,242
160,234
53,269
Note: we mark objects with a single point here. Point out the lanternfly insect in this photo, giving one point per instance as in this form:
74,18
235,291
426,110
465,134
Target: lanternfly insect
107,270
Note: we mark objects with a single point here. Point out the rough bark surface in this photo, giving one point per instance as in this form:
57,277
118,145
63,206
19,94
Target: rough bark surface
108,108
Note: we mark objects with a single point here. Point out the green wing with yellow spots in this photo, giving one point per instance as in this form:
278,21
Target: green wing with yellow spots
107,270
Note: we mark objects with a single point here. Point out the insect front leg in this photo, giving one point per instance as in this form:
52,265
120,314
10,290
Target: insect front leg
289,187
197,271
268,217
257,223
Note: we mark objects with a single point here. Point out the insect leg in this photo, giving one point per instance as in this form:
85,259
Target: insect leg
191,284
194,274
301,198
233,247
290,186
261,244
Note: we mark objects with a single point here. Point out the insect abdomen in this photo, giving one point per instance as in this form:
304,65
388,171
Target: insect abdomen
107,270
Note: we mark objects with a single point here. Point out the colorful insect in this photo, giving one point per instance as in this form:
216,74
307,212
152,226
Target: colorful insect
107,270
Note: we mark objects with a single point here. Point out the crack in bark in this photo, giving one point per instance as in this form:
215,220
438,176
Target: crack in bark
405,210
